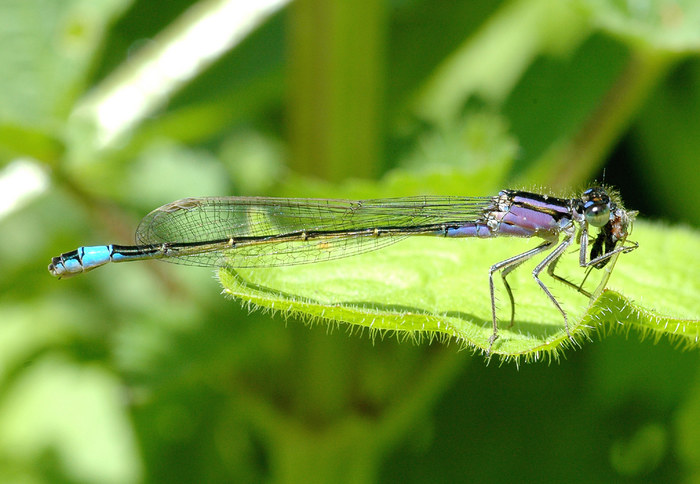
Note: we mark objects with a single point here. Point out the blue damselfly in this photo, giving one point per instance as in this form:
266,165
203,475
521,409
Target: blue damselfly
249,232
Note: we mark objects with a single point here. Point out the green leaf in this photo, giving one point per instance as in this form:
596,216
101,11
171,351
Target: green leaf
491,60
46,54
434,288
667,26
668,128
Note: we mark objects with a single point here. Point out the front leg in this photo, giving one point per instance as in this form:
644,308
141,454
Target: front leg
578,287
552,258
508,265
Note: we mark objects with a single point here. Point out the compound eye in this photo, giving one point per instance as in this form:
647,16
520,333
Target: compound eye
597,214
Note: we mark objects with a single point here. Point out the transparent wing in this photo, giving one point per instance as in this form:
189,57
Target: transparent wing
257,223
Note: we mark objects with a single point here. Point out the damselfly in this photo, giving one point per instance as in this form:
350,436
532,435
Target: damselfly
249,232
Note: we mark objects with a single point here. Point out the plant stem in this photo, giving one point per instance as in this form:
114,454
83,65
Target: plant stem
581,156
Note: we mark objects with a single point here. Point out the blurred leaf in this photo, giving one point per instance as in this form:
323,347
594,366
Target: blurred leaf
475,141
437,288
18,140
687,426
140,22
665,143
415,50
92,440
546,109
470,157
642,453
666,25
47,50
243,83
580,153
491,62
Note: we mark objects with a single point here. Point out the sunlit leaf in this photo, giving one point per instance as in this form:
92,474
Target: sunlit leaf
435,288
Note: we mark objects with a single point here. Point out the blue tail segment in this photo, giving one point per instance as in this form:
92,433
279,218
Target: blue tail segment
81,260
84,259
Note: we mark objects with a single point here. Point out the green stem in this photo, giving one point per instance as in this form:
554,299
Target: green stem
584,153
336,52
350,447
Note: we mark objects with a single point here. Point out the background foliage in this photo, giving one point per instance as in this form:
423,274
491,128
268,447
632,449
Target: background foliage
143,372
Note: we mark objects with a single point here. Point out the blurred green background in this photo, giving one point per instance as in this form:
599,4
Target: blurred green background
145,373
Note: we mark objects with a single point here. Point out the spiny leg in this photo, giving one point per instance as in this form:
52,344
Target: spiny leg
623,249
578,287
509,291
505,265
590,266
552,257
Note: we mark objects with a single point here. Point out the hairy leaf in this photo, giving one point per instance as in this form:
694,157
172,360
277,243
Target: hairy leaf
438,288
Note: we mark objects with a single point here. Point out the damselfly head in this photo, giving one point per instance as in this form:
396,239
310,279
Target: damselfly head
600,206
597,207
615,230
